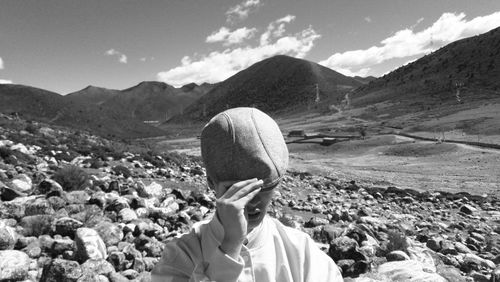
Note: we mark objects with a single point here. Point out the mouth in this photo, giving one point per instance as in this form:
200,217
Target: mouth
254,214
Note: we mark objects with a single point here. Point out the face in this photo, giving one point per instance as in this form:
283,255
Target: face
256,209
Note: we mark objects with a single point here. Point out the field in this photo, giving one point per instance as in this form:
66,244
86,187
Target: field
384,158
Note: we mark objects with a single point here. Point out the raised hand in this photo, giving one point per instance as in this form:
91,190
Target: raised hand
231,212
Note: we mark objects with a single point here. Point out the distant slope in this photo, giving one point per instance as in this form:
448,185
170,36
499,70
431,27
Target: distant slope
92,95
276,84
31,102
471,65
152,100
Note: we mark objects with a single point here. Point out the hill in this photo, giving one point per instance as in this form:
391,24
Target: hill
30,102
276,84
107,112
469,67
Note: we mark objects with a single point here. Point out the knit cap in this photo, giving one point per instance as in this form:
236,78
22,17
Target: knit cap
244,143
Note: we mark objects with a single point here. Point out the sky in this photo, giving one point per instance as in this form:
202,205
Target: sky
66,45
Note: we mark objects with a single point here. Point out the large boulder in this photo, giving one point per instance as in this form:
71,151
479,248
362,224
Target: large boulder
14,265
89,245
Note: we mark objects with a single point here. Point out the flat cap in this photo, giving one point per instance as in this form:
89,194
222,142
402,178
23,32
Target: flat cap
244,143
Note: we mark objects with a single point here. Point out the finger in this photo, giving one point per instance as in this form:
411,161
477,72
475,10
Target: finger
247,189
235,187
243,201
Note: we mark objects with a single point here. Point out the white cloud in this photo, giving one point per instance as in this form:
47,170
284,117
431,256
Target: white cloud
219,65
242,10
405,43
144,59
122,58
368,19
275,29
1,63
5,81
231,37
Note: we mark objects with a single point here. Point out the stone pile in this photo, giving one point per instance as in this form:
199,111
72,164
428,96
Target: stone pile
111,221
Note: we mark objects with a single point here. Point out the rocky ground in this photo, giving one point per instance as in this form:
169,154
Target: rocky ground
75,207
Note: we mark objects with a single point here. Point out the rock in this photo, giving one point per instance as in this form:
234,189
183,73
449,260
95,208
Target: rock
495,275
49,186
14,265
117,260
8,237
60,246
344,248
36,225
8,194
89,245
450,273
22,183
448,248
61,270
118,204
117,277
468,209
434,244
39,206
397,256
97,266
76,197
67,226
461,248
127,215
130,273
407,270
316,221
153,190
109,232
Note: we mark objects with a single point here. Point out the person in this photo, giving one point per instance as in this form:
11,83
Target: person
245,157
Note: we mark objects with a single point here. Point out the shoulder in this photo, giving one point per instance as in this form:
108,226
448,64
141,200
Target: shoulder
181,253
288,232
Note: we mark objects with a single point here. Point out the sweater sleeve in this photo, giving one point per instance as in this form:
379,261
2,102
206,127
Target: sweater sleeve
223,267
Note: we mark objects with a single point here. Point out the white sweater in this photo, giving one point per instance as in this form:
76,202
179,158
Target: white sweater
274,252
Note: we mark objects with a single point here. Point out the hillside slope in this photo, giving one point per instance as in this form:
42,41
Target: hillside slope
469,66
276,84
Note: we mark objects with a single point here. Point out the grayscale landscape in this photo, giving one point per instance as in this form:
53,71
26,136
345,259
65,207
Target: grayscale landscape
396,176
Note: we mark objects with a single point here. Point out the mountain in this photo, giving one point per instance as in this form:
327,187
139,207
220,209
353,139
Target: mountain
277,84
92,94
469,67
108,112
153,100
31,102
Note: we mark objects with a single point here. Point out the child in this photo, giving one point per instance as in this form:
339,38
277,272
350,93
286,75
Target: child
245,156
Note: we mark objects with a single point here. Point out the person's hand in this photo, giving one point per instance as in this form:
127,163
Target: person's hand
231,213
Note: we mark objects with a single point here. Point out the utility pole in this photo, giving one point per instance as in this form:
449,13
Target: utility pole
317,94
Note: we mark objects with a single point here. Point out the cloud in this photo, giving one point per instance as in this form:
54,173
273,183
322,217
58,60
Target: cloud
219,65
231,37
1,63
242,10
368,19
405,43
5,81
122,58
144,59
275,29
